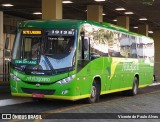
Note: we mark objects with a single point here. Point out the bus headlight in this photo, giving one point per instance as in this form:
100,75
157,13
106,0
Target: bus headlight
14,77
67,80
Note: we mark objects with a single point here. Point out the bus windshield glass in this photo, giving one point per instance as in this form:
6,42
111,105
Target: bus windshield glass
48,50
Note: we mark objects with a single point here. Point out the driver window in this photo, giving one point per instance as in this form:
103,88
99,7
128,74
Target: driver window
27,44
35,47
83,51
27,49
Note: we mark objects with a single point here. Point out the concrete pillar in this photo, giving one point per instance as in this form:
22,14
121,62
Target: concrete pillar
1,34
143,29
51,9
1,43
94,13
123,21
156,37
1,30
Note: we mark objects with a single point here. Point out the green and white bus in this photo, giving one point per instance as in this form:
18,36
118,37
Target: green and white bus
75,59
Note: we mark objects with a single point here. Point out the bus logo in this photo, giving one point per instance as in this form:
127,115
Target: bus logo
38,79
38,85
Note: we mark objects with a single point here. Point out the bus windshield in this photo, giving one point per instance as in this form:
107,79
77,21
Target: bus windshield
51,51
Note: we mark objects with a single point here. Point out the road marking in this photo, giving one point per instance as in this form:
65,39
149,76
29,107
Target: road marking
7,102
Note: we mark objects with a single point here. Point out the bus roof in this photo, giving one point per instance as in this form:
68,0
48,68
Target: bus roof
67,23
47,24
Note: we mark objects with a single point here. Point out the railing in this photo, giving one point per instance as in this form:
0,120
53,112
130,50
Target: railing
6,70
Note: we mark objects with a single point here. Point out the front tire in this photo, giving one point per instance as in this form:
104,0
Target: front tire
95,93
134,89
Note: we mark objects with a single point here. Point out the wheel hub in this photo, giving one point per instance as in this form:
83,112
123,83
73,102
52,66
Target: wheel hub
93,94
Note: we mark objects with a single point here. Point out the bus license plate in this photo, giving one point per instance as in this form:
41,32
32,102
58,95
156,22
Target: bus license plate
38,95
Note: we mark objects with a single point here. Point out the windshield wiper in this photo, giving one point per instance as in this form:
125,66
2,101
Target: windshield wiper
49,64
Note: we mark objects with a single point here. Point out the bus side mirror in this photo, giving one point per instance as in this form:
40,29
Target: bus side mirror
86,43
82,34
6,43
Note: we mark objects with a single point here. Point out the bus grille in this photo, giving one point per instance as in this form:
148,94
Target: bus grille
38,91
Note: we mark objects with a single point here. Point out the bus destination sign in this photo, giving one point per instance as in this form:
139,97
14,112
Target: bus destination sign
31,32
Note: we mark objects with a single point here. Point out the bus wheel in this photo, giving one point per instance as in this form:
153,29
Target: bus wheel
95,93
134,89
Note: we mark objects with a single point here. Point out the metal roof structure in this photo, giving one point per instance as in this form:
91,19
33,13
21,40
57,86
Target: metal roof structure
77,10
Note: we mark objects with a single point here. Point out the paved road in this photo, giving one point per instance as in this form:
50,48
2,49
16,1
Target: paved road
112,107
